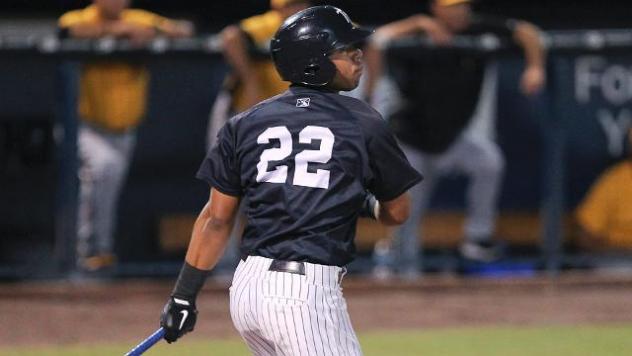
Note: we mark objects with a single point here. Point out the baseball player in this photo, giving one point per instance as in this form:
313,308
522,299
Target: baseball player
112,103
303,162
252,78
445,122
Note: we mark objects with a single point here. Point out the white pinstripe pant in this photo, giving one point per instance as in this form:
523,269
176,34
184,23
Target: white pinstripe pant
279,313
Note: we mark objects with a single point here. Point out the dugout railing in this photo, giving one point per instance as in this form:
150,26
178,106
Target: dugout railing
589,83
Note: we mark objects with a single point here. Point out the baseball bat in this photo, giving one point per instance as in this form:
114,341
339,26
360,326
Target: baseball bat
147,343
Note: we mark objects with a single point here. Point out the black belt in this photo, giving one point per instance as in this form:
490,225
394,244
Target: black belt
287,267
284,266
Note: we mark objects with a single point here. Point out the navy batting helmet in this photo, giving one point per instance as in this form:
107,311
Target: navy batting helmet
302,45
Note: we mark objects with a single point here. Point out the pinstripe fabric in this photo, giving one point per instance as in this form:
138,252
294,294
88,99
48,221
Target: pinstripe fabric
280,313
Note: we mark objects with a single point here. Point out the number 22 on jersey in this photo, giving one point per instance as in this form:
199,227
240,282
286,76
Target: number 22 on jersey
318,179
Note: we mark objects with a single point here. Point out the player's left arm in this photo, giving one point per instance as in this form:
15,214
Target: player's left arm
392,212
210,235
387,200
389,213
528,36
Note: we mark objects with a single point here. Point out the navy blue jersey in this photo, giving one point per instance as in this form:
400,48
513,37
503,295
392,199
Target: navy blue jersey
303,161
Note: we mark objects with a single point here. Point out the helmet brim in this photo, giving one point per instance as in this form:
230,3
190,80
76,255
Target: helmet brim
356,36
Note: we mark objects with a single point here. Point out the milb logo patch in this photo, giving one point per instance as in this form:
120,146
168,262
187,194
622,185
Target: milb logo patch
302,102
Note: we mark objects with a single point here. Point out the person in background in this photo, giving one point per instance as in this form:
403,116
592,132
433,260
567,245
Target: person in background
444,120
605,214
111,104
252,78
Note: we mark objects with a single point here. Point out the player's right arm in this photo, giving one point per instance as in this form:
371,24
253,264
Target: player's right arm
80,24
77,24
412,25
210,234
211,230
235,49
120,29
138,26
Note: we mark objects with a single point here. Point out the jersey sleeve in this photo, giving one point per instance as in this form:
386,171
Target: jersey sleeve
391,173
220,168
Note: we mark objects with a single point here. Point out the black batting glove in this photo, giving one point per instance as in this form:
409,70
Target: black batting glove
178,318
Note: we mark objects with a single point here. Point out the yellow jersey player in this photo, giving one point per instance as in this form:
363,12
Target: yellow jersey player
252,79
112,103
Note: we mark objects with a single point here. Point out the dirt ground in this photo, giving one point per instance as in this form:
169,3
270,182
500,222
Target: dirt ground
126,311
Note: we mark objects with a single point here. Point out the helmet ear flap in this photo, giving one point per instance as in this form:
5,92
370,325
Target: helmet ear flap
319,72
304,62
311,70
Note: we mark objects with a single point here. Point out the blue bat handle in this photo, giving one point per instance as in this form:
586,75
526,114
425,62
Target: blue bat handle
147,343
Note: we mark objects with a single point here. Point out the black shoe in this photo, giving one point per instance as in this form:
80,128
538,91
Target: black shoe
481,251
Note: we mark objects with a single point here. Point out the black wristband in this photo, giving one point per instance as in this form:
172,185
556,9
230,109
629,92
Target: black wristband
190,282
